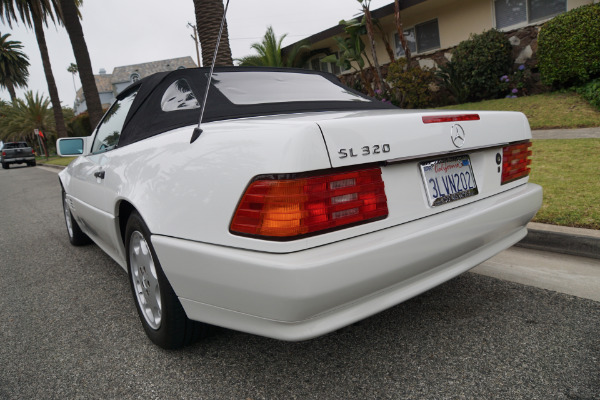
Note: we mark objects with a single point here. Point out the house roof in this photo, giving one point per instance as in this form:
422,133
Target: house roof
123,74
339,29
103,83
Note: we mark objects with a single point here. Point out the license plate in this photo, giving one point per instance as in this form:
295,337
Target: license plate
448,179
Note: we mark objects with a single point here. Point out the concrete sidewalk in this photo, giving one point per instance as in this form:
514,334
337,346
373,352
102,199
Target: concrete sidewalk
580,133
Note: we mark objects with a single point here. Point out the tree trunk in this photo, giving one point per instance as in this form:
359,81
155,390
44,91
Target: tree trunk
82,57
371,35
366,82
11,90
61,130
208,21
400,30
386,42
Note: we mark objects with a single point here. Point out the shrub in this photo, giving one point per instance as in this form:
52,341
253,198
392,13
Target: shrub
79,125
591,92
569,47
412,85
476,65
518,83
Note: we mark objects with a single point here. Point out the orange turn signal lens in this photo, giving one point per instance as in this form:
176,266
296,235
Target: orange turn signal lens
289,208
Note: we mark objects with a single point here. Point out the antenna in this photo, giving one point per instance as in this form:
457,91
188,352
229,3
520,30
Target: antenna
197,130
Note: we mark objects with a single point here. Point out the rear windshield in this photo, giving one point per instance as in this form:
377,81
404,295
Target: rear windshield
257,87
15,145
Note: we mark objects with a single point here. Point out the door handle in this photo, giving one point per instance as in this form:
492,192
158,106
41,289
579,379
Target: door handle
99,174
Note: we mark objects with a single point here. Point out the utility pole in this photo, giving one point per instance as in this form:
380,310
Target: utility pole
195,38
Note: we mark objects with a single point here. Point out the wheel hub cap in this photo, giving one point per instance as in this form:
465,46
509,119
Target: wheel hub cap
145,280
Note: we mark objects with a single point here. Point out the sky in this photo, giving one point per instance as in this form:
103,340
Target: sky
125,32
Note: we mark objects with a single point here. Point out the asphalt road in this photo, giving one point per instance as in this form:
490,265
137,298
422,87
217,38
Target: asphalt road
68,329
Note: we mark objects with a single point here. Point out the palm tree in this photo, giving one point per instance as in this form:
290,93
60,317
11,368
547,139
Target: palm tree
352,51
269,53
26,115
13,65
35,14
366,4
208,20
400,29
70,18
72,68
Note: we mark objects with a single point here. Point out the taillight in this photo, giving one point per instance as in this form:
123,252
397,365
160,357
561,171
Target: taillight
515,161
4,153
434,119
33,152
288,208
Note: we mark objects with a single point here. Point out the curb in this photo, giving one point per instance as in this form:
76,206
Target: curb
51,166
564,240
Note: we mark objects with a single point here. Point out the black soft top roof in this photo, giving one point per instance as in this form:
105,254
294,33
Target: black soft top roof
146,117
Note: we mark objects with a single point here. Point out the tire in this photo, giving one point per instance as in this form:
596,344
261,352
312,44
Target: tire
162,316
32,164
5,165
76,235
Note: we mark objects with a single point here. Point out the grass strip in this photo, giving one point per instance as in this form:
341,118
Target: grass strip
55,160
569,172
565,110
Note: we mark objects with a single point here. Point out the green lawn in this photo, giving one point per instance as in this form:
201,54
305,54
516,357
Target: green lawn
544,111
55,160
569,172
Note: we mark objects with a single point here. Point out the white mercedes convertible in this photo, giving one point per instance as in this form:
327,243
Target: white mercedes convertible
302,207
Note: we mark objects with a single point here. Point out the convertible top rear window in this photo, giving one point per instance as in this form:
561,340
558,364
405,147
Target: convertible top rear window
169,100
260,87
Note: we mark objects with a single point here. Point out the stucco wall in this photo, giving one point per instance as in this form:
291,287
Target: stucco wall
457,19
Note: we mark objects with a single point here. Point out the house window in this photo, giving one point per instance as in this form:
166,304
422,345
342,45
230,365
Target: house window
316,64
423,37
515,12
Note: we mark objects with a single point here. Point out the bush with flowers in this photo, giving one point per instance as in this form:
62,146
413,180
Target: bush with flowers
516,84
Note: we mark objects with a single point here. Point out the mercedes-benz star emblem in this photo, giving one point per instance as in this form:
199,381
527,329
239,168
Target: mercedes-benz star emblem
457,135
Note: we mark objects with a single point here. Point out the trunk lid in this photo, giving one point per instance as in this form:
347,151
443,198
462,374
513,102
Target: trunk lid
358,138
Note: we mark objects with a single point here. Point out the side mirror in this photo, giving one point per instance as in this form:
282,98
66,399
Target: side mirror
69,147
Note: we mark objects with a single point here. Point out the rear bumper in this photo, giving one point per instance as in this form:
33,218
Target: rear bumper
18,160
305,294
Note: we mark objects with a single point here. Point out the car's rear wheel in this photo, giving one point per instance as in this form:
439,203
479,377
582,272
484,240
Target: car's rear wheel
5,165
76,235
32,164
159,309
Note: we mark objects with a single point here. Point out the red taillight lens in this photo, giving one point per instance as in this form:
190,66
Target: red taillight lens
515,161
433,119
286,208
33,152
4,153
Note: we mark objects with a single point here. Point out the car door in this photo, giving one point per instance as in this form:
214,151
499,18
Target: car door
91,186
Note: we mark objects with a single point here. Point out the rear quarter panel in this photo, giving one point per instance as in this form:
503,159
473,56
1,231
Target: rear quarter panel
191,191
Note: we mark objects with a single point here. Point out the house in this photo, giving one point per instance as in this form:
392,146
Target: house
110,85
433,27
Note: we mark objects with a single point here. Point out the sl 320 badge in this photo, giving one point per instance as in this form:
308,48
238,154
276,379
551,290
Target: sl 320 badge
364,151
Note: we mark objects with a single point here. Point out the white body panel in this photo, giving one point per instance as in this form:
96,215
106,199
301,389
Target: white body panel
187,194
308,293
